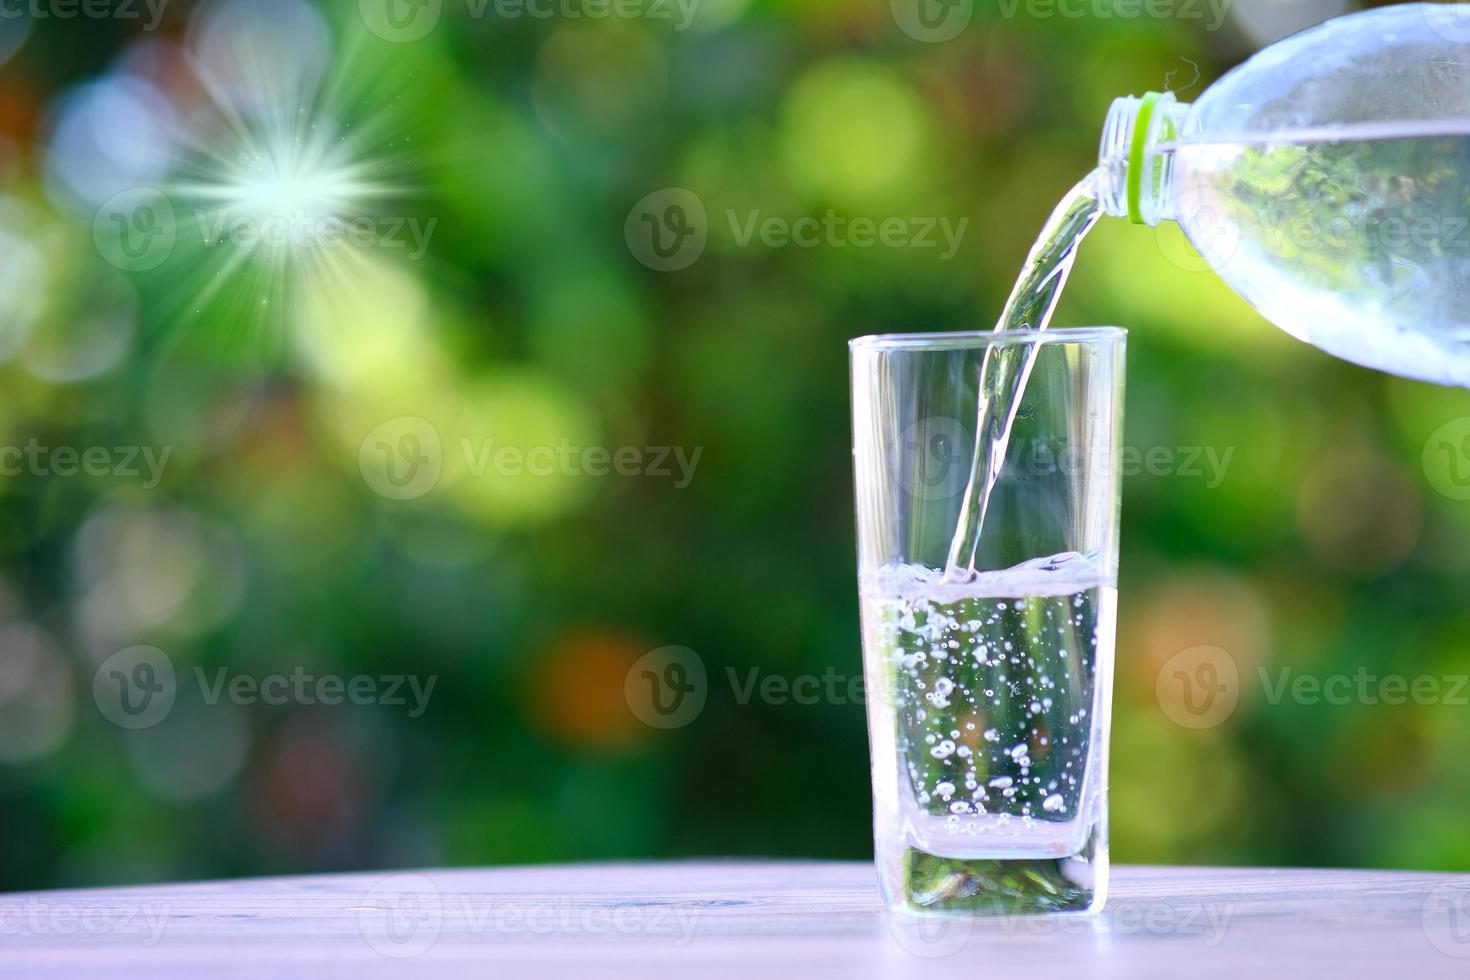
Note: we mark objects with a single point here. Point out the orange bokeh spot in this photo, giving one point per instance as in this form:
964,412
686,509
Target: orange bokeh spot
577,689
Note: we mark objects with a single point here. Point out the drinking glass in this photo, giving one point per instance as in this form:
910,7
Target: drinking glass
989,684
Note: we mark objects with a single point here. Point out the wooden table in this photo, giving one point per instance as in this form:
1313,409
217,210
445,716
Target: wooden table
737,919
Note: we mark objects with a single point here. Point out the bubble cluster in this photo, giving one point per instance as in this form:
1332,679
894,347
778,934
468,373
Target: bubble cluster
994,701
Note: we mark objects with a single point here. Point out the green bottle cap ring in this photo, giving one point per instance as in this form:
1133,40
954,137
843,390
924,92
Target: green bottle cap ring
1146,108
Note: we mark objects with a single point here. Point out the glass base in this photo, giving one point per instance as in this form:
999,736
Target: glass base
998,886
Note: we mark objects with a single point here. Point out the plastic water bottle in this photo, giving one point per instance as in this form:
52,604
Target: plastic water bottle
1327,180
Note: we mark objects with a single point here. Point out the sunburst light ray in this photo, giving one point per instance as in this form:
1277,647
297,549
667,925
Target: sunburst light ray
286,190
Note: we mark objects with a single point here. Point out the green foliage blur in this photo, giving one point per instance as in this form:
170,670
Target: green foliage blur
1302,515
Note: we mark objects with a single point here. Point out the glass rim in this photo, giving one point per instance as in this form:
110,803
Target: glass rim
956,339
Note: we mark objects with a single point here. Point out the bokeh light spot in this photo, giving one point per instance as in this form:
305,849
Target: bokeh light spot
37,706
576,689
854,132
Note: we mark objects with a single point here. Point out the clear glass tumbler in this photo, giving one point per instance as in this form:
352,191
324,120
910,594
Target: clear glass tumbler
989,687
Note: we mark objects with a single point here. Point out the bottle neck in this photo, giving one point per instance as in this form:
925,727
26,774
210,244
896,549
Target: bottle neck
1135,158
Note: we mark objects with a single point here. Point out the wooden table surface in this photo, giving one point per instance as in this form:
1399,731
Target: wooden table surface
737,919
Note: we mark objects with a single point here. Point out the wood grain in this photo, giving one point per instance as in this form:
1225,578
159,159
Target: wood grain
736,919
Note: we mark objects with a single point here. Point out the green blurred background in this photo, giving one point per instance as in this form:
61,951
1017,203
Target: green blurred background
278,378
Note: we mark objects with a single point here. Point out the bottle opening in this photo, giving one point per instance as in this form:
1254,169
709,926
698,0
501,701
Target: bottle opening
1133,170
